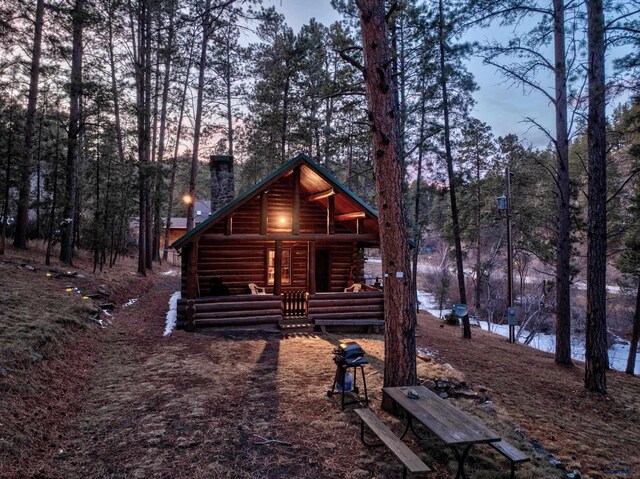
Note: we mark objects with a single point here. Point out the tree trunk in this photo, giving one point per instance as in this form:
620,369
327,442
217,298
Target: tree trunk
227,77
43,115
7,184
635,337
54,198
563,243
417,237
400,312
148,230
596,335
115,94
174,162
285,118
73,133
479,271
166,82
206,33
22,220
141,59
466,331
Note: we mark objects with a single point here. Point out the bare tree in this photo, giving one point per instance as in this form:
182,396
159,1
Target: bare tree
531,59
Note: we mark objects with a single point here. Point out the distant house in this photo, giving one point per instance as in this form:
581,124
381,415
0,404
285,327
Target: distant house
178,226
298,231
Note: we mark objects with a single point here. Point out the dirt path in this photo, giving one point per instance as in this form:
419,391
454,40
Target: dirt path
200,405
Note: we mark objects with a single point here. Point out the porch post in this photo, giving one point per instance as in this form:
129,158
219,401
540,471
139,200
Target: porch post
312,267
277,268
295,213
331,215
228,225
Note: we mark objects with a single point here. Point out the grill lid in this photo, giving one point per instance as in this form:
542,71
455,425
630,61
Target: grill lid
350,350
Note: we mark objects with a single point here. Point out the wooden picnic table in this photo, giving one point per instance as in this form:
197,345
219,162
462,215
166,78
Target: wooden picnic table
453,427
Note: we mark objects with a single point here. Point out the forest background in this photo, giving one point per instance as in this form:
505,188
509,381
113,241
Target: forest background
111,109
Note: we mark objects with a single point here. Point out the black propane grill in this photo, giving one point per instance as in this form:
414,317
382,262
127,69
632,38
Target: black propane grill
349,355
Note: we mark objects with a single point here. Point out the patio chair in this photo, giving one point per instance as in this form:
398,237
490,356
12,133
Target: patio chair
354,288
255,289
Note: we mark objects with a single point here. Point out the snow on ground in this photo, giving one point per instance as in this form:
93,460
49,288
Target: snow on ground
171,272
172,314
427,302
618,353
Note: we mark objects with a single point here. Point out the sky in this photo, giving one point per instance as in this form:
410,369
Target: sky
504,107
497,104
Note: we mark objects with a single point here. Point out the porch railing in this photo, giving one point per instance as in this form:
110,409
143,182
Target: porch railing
294,304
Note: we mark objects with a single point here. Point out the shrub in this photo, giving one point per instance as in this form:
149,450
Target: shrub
452,319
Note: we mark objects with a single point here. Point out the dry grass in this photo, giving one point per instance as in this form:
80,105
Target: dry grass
47,348
33,314
591,433
124,402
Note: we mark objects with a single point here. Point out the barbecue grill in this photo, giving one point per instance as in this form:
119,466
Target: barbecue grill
347,356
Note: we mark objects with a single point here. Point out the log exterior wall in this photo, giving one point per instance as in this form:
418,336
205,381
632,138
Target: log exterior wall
238,263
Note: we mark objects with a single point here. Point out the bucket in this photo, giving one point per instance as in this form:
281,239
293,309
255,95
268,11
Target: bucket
348,382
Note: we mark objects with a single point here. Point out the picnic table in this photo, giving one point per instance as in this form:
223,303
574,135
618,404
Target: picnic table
453,427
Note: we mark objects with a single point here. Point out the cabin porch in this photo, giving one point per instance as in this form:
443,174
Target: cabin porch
277,310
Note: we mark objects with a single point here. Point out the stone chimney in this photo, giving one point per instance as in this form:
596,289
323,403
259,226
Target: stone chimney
222,185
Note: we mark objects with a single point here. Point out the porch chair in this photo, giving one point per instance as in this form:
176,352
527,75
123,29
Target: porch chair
354,288
255,289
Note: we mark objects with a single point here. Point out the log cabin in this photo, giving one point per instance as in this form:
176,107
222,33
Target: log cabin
297,237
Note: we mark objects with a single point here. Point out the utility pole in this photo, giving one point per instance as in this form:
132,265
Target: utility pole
504,204
512,327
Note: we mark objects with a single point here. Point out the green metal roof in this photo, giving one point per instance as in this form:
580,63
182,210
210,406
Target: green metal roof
299,159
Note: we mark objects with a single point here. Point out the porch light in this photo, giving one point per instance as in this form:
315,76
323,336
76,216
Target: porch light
186,199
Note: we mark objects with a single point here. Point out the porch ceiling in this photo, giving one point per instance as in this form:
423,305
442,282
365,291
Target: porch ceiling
312,183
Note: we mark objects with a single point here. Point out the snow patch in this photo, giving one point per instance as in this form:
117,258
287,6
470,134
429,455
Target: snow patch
618,352
130,302
172,314
171,272
427,302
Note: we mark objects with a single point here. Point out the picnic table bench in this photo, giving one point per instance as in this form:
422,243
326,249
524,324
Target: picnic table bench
454,428
515,455
410,461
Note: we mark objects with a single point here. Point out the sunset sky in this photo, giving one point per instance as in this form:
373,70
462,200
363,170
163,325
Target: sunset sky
499,104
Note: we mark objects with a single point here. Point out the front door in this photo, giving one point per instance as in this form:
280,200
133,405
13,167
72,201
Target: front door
323,264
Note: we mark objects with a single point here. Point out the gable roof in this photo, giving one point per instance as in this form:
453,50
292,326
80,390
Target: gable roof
300,159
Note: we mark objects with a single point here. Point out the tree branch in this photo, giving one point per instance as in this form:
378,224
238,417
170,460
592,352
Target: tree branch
624,183
349,59
520,78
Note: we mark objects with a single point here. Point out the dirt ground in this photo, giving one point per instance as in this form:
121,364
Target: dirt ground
126,402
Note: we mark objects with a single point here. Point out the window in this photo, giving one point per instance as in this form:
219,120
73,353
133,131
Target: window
286,266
